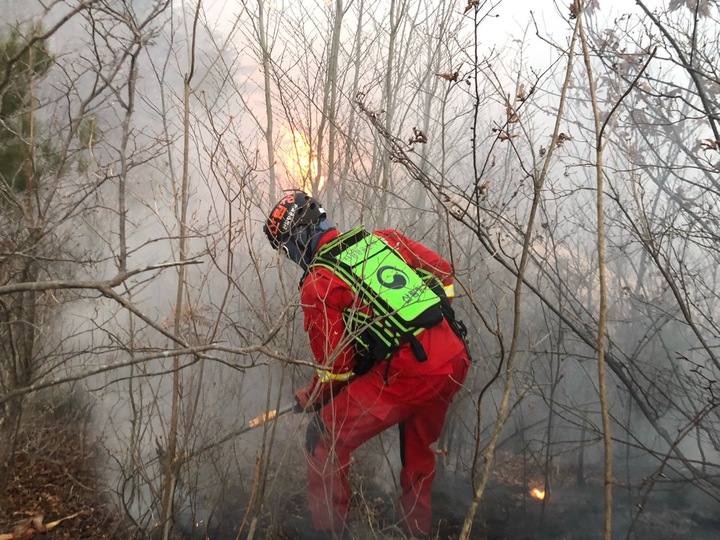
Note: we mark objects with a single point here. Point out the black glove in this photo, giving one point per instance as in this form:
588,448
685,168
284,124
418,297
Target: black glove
315,431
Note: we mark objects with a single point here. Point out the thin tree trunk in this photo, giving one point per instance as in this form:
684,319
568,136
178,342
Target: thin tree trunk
503,410
341,191
267,68
602,271
327,116
172,462
395,18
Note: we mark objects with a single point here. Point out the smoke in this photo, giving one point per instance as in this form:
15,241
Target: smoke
237,294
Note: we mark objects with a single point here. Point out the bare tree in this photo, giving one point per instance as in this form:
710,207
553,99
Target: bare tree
145,157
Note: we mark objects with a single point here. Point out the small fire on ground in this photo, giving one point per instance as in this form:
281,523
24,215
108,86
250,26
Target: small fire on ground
538,494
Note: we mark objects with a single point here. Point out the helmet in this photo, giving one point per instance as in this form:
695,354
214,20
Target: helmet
295,210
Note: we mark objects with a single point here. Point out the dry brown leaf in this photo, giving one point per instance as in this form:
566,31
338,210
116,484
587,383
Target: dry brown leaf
418,137
29,528
511,114
57,522
471,4
701,7
709,144
591,6
521,96
561,138
573,11
449,76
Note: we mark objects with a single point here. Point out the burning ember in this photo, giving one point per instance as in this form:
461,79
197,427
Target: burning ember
538,494
262,418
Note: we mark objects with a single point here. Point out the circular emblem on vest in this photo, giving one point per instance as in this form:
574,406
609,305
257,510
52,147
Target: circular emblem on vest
391,277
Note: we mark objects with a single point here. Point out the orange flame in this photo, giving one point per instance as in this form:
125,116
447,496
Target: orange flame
262,418
299,159
537,494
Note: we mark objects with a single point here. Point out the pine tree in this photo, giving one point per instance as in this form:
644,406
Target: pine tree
22,61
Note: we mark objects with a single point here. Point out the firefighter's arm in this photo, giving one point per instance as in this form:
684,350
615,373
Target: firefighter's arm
324,325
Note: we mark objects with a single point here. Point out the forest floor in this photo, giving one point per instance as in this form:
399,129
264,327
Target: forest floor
52,489
53,492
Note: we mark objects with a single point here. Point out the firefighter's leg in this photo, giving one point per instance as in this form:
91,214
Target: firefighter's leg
358,413
327,471
417,433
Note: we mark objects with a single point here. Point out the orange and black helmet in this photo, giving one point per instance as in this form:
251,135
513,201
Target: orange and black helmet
296,209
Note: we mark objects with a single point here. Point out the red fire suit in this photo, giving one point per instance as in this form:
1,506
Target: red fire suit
413,394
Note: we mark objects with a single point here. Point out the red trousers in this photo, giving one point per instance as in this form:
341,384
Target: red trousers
365,408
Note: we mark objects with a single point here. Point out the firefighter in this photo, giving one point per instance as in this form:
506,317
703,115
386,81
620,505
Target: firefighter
377,313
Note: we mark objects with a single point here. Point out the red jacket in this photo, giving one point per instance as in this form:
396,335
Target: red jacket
324,297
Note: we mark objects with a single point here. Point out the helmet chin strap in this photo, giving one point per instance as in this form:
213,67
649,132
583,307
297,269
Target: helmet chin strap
303,242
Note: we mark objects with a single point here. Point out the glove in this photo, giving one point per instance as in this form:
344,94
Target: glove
315,432
314,397
303,403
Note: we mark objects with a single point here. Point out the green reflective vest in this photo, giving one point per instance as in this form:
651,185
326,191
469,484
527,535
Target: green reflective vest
396,303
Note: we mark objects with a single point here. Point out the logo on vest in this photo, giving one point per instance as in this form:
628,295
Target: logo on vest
391,277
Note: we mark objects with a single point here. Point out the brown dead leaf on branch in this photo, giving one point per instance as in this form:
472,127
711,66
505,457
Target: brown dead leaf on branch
708,144
512,116
471,4
418,137
30,527
520,94
483,188
591,6
561,138
573,11
504,135
699,7
449,76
